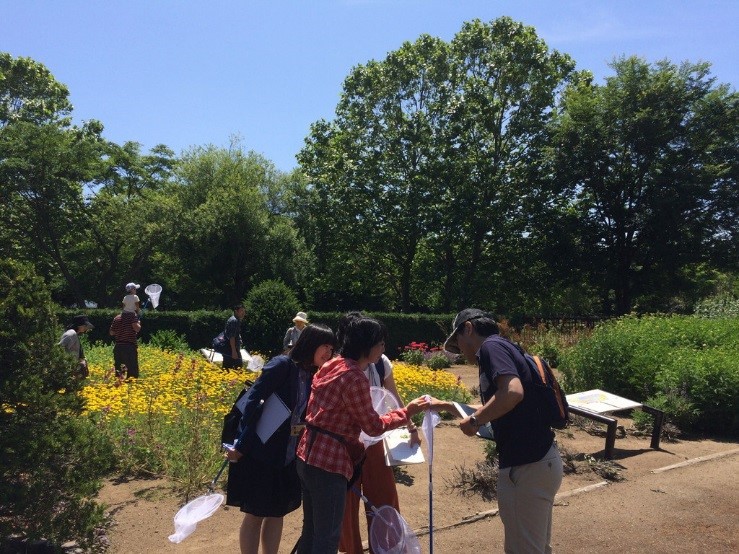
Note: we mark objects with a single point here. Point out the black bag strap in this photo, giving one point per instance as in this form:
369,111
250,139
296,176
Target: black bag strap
342,440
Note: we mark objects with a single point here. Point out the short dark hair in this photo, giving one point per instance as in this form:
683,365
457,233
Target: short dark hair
237,306
485,326
312,336
360,335
343,323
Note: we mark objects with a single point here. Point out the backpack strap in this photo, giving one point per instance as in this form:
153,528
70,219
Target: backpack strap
553,383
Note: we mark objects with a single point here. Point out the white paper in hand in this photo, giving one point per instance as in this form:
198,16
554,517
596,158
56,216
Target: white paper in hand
274,414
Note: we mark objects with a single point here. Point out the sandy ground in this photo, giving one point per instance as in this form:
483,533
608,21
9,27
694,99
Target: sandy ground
693,508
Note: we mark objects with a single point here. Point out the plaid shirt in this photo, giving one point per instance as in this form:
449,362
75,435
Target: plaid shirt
340,402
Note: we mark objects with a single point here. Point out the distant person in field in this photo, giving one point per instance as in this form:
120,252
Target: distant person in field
530,464
292,334
125,328
232,353
131,302
71,341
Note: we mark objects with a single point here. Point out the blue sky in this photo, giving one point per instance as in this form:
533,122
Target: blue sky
189,73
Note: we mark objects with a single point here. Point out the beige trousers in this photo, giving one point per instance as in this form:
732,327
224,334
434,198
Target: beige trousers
525,500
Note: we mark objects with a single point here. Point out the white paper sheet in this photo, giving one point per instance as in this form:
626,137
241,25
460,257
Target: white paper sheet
398,450
274,413
484,431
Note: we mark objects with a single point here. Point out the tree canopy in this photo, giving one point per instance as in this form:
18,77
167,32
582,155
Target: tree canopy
480,171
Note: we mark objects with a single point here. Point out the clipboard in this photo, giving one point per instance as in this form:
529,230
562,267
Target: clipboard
484,431
398,450
274,414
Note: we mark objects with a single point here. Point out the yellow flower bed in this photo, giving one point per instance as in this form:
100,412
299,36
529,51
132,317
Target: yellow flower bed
168,421
168,383
413,381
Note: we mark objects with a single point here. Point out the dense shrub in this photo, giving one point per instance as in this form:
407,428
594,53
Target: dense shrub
167,339
721,305
198,327
51,459
270,308
438,360
685,365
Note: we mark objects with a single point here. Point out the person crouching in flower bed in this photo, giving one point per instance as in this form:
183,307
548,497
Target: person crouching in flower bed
340,407
263,482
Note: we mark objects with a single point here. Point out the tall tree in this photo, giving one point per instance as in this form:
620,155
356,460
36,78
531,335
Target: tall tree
375,168
635,153
42,171
506,81
426,159
221,237
29,92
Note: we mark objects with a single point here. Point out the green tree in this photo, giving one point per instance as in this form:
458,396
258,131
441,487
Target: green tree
51,457
29,92
124,221
42,171
220,236
426,159
376,167
639,156
78,207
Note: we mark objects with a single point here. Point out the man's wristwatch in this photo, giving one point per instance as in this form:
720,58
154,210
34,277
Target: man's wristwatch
474,423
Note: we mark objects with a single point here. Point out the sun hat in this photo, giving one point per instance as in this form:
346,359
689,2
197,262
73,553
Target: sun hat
468,314
79,321
132,286
301,316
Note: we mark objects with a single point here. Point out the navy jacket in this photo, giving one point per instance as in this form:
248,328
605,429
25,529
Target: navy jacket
279,376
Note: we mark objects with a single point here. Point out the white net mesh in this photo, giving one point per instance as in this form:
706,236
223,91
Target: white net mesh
391,534
193,512
383,402
153,291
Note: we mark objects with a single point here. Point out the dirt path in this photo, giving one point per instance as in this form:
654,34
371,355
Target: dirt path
688,509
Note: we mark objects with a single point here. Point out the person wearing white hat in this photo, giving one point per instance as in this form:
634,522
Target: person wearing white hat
291,336
131,302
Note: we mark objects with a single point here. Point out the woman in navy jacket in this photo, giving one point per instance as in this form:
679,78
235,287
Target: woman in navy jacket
263,481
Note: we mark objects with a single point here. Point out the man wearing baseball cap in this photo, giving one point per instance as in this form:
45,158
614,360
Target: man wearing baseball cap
530,465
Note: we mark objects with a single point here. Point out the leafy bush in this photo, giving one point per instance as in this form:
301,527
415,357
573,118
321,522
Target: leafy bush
721,305
51,458
167,339
270,308
686,365
438,360
413,357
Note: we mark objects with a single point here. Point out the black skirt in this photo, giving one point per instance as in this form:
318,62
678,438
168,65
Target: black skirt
263,490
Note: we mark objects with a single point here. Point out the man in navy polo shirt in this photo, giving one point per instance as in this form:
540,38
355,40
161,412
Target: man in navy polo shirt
530,465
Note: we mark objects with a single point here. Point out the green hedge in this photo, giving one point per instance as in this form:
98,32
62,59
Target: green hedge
686,365
199,327
402,329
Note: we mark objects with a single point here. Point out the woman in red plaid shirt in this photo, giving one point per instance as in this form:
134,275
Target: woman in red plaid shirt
339,408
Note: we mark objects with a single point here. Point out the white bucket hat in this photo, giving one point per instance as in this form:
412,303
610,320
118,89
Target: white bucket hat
301,316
